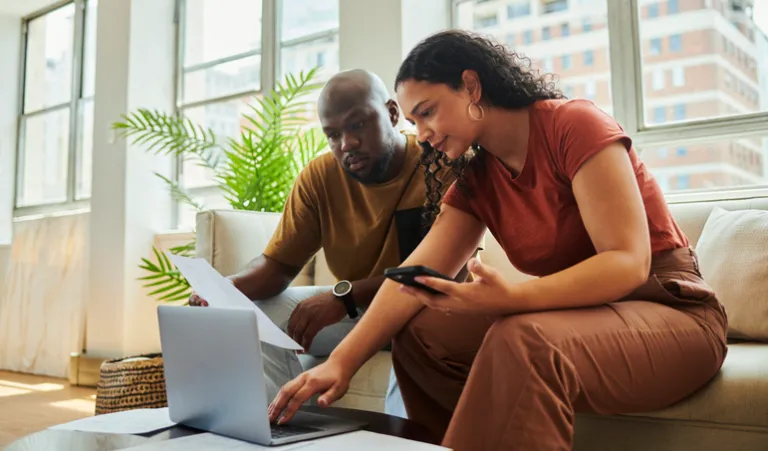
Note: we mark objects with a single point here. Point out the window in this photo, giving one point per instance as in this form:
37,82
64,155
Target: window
658,79
519,9
653,10
676,43
678,76
528,37
589,58
672,7
486,21
566,62
565,30
655,46
510,40
554,6
56,124
719,97
309,27
698,111
545,33
222,72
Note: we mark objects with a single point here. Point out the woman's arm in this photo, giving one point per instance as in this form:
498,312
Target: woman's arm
613,213
452,240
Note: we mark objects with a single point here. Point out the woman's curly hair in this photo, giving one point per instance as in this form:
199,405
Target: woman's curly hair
507,80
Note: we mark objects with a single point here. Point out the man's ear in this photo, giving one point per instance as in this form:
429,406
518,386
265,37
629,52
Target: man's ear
472,84
394,112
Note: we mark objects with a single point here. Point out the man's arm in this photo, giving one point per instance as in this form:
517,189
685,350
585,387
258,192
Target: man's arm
264,278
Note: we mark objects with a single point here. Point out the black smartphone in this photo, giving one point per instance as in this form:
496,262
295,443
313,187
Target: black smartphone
406,275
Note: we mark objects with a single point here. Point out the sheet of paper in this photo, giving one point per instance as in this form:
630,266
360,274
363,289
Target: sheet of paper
370,441
207,441
220,293
138,421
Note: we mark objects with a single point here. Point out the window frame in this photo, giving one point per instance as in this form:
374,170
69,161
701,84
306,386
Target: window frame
270,51
73,105
627,92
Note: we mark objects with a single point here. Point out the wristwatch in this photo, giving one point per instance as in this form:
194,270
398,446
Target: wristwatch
343,291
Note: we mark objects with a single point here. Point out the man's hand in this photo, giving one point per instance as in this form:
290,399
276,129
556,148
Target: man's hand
312,315
197,301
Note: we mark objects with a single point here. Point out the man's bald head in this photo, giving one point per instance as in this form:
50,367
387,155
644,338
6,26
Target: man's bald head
352,88
360,119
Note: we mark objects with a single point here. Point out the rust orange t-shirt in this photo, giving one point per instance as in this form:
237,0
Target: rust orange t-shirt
535,217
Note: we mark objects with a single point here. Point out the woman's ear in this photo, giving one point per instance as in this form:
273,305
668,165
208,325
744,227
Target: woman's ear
471,83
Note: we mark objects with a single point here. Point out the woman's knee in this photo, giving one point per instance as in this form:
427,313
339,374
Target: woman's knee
434,334
521,335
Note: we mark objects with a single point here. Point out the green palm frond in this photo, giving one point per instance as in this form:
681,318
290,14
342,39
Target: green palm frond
168,134
166,281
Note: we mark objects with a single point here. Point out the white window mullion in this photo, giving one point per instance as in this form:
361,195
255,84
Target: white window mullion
269,44
74,109
626,71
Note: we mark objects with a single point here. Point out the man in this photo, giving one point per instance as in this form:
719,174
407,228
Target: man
362,204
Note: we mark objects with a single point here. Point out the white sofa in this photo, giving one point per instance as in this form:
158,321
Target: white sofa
730,414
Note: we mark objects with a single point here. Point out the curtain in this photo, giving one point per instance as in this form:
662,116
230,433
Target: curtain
42,302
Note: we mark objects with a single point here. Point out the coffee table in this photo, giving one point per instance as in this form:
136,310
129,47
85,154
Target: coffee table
51,439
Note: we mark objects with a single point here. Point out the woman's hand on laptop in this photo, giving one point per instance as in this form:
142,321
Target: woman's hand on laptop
328,378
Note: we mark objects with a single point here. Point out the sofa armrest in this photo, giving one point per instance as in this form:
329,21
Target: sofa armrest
229,239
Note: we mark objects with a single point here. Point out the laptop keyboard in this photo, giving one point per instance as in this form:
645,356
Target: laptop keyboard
288,430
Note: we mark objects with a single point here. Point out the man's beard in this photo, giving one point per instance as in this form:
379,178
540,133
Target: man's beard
377,172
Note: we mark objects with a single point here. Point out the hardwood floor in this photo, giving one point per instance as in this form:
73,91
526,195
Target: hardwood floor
32,403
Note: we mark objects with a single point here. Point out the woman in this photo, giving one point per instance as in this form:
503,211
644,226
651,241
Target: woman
618,319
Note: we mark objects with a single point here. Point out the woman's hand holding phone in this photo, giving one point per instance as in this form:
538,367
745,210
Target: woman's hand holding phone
488,293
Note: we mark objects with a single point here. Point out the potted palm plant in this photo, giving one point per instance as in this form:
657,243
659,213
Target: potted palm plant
254,171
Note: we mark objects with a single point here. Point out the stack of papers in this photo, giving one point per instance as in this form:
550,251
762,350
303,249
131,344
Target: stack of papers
138,421
142,421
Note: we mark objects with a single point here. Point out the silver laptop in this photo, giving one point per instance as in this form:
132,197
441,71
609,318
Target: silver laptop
214,378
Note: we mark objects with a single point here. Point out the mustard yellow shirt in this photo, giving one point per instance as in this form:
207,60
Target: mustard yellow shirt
363,229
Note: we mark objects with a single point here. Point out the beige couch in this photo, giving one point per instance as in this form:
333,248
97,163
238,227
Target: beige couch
730,414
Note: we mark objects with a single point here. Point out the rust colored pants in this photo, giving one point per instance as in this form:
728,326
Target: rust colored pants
515,383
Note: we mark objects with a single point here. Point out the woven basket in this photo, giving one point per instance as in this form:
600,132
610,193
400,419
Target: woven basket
136,382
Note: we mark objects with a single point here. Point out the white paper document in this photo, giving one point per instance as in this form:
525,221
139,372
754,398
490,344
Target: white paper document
138,421
220,293
207,441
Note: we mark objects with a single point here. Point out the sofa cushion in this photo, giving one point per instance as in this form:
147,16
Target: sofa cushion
733,253
738,395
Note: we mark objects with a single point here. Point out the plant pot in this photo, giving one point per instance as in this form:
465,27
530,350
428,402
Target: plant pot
128,383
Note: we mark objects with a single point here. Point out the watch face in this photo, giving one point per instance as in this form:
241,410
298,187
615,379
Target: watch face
342,288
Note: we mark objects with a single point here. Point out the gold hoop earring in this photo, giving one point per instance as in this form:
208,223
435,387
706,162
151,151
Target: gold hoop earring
476,118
